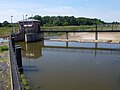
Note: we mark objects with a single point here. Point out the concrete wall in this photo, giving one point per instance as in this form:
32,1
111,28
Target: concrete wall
31,37
19,36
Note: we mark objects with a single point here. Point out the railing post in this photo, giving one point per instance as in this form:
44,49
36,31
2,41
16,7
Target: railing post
96,33
66,35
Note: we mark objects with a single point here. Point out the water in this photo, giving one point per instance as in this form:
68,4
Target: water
3,40
68,66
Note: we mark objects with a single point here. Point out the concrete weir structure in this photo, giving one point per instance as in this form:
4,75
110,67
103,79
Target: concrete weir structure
29,31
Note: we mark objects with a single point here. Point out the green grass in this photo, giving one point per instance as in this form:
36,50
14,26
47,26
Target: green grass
82,27
5,31
1,61
3,48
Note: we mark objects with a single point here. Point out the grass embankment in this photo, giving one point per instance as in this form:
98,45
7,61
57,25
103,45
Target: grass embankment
2,49
5,31
81,27
5,75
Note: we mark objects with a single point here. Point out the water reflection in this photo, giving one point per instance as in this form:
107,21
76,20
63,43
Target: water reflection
3,40
71,66
30,53
32,50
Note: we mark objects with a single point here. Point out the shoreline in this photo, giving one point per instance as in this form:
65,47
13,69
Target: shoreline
112,38
87,41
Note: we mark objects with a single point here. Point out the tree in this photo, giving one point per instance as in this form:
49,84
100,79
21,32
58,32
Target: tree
66,20
5,24
65,24
0,24
57,23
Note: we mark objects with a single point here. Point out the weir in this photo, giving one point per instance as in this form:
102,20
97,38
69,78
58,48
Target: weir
30,31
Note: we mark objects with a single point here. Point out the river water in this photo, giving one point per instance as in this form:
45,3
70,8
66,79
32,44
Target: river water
71,66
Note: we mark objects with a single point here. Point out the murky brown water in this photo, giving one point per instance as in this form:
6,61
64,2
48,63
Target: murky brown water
53,66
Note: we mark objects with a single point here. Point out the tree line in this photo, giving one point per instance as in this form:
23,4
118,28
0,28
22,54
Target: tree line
5,24
66,20
8,24
61,21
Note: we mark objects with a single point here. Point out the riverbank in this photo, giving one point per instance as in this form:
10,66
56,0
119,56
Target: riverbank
90,37
5,70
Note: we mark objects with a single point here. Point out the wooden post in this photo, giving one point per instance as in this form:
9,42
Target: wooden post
96,33
19,58
66,35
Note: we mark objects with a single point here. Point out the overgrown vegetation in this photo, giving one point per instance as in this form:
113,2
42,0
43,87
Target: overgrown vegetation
25,82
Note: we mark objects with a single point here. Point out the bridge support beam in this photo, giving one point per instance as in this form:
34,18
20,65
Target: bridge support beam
96,33
66,35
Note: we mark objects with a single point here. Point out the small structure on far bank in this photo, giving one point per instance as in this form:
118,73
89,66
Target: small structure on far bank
29,31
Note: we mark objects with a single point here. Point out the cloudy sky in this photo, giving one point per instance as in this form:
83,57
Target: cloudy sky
107,10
